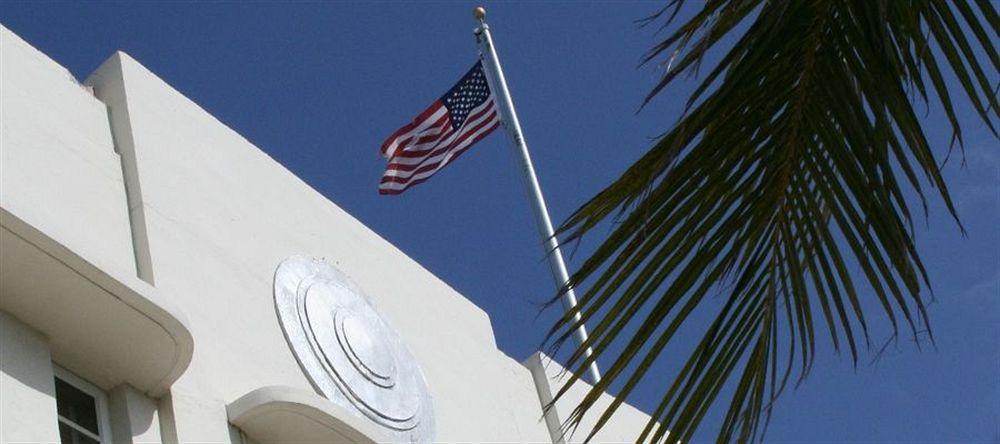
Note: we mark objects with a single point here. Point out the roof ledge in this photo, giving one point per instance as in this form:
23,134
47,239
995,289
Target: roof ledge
108,327
287,414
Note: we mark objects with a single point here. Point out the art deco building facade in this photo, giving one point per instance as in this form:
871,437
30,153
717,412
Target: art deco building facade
159,283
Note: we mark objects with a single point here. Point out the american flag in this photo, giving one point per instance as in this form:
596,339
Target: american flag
437,136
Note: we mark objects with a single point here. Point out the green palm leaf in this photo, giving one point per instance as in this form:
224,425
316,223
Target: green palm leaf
787,169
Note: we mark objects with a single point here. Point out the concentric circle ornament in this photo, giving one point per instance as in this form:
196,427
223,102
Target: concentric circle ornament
350,353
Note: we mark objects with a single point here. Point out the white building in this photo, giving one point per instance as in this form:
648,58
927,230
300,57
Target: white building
157,285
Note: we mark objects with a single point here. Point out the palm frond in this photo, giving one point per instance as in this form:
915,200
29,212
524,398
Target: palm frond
787,170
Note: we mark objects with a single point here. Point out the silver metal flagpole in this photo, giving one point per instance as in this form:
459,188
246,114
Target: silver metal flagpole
505,106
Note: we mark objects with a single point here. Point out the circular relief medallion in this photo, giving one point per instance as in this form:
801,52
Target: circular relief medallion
348,351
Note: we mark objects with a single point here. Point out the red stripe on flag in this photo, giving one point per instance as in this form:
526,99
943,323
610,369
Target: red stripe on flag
458,140
411,153
392,191
422,137
410,126
432,168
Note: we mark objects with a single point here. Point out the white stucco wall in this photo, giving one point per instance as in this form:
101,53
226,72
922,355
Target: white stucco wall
27,390
58,168
134,417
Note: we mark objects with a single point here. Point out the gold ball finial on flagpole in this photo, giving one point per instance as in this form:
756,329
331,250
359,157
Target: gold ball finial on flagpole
479,13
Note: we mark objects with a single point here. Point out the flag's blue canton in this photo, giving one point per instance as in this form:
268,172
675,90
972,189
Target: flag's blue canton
466,95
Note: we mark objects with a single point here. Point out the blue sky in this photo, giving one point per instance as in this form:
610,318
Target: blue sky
318,86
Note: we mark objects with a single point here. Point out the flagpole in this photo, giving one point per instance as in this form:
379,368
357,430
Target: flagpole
505,106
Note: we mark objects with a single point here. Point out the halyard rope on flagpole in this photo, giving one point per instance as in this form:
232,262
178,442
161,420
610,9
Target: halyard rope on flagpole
505,106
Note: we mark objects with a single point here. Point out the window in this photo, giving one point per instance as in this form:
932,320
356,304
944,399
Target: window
82,411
